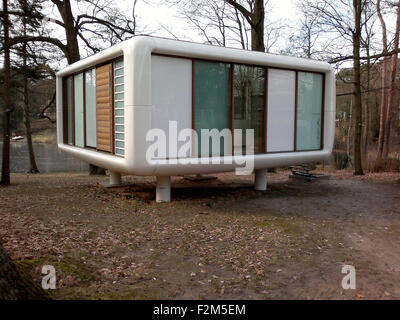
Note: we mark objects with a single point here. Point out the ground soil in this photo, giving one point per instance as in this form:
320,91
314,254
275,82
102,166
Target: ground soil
217,239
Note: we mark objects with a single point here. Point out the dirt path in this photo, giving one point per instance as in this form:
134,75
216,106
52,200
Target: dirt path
217,239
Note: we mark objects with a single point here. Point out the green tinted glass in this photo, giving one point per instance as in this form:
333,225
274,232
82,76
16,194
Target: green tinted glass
309,111
213,85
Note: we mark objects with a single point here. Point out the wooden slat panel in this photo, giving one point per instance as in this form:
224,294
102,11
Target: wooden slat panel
103,94
103,111
104,142
103,124
103,99
104,107
103,72
102,136
101,82
103,147
104,117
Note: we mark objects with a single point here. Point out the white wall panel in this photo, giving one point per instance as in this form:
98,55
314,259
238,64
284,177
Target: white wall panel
281,109
171,94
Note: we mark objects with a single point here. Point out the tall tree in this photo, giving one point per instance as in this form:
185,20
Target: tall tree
77,27
357,9
382,122
29,25
255,16
303,43
345,19
393,71
5,168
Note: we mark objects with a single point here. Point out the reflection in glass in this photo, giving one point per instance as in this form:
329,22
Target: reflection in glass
213,102
78,112
69,111
249,106
309,111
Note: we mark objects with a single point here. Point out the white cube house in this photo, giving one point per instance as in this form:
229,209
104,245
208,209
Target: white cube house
141,108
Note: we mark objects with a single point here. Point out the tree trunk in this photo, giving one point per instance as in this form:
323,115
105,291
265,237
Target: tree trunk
27,117
388,121
358,170
71,32
349,129
16,284
378,161
73,55
255,20
5,168
367,115
257,30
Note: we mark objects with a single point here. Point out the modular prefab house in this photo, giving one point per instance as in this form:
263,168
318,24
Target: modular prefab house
108,104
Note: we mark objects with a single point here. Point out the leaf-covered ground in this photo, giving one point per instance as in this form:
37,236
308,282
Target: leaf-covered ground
218,239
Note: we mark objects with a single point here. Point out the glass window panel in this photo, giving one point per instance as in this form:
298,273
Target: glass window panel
213,85
120,136
281,110
309,111
120,144
249,106
119,80
78,99
90,107
119,88
119,72
119,96
70,113
119,63
119,120
119,104
119,112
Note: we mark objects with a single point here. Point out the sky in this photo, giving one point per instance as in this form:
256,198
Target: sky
162,19
160,16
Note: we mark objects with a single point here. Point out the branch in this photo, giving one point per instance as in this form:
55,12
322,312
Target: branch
24,39
95,20
42,115
246,13
376,56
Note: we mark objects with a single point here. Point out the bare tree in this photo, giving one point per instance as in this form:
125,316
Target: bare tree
255,16
346,20
366,42
83,26
393,71
378,161
303,43
5,169
356,34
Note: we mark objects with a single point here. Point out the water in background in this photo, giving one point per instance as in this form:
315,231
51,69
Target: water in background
48,158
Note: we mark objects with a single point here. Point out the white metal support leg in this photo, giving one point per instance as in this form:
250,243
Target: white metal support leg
163,190
115,178
260,183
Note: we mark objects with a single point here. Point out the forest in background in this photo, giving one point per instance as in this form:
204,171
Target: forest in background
359,38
